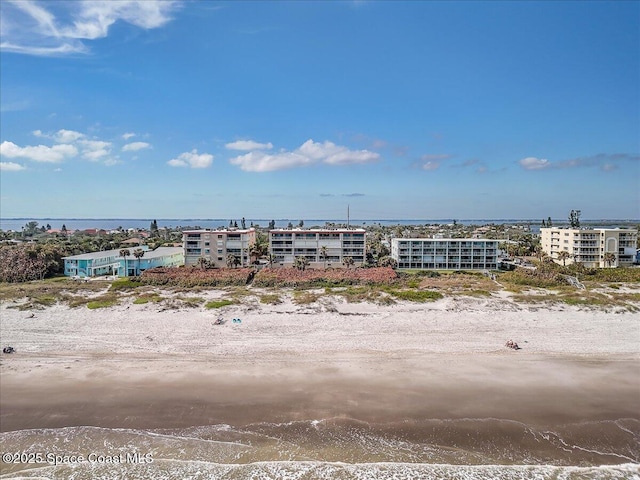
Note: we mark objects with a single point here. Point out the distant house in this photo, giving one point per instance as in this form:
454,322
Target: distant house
109,262
92,231
133,241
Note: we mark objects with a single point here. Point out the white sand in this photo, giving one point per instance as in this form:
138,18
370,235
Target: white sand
329,326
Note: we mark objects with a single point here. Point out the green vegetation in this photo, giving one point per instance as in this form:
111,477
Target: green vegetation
146,298
304,297
125,284
270,299
192,301
218,303
416,295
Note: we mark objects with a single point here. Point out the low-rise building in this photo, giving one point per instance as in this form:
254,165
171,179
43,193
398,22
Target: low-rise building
216,246
445,253
111,262
321,247
590,246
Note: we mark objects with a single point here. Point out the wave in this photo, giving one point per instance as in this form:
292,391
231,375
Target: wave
339,448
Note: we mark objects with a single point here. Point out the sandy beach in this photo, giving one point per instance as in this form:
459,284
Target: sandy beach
148,367
340,357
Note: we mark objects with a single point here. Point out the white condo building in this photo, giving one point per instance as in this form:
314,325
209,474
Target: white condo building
286,245
589,245
216,245
445,253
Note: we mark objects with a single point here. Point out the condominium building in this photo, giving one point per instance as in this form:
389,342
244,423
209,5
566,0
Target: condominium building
111,262
321,247
217,245
589,245
445,253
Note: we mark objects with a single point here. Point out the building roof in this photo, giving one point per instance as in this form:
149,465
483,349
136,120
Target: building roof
447,239
103,254
162,251
221,230
318,230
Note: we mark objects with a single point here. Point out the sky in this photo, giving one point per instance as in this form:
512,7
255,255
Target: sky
295,109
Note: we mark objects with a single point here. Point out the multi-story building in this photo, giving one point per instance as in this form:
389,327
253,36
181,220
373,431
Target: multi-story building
589,245
216,245
445,253
110,262
321,247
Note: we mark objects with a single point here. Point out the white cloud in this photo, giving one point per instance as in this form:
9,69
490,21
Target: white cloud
432,162
431,166
67,136
533,163
95,150
263,162
38,153
248,145
308,153
109,162
34,29
11,167
127,136
135,146
192,159
61,136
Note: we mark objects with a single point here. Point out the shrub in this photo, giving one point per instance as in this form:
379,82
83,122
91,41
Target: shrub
291,277
192,277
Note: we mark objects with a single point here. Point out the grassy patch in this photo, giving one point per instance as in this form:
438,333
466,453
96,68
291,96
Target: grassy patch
218,303
103,301
100,304
191,301
416,295
124,284
142,299
270,299
302,297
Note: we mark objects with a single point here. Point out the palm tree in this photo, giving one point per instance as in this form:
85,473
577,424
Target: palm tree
232,260
138,253
271,258
301,263
323,255
348,262
609,258
202,262
125,253
564,255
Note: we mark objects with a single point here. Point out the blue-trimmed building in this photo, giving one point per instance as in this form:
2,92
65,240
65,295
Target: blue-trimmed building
109,262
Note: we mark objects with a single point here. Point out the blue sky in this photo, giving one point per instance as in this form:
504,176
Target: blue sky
426,110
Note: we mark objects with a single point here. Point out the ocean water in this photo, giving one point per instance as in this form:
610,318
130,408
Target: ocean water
334,448
16,224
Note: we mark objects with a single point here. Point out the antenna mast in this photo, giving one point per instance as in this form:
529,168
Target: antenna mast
347,215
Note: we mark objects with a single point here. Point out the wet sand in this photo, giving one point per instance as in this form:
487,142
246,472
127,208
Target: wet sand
145,392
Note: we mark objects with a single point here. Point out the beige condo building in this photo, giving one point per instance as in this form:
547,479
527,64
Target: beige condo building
589,245
216,245
285,245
